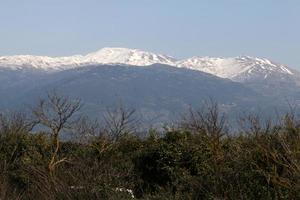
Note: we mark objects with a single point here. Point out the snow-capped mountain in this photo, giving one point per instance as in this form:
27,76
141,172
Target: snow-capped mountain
125,56
40,62
241,69
153,83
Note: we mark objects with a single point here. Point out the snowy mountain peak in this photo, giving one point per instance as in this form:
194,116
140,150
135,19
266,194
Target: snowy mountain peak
103,56
240,68
128,56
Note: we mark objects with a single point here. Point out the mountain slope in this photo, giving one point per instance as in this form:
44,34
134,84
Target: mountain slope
124,56
262,75
241,69
158,91
143,79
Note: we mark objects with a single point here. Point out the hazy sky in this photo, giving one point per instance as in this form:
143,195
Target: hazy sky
181,28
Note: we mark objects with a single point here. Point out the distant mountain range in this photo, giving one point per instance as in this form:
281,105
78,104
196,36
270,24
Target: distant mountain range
157,85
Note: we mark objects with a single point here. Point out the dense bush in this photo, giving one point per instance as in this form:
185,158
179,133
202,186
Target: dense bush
198,159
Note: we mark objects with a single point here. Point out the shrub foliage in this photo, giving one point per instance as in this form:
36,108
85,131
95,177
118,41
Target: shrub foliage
196,159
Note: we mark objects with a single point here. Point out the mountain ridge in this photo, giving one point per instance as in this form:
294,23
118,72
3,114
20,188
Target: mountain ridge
240,68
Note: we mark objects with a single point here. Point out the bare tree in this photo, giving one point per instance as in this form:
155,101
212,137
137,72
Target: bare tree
15,123
120,121
57,114
207,120
86,130
252,124
211,124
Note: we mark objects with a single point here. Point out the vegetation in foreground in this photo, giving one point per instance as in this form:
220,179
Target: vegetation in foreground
197,158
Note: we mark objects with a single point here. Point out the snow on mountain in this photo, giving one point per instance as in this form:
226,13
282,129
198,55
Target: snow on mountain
39,62
128,56
103,56
176,83
240,69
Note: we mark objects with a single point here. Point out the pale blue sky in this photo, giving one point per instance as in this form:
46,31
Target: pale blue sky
181,28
